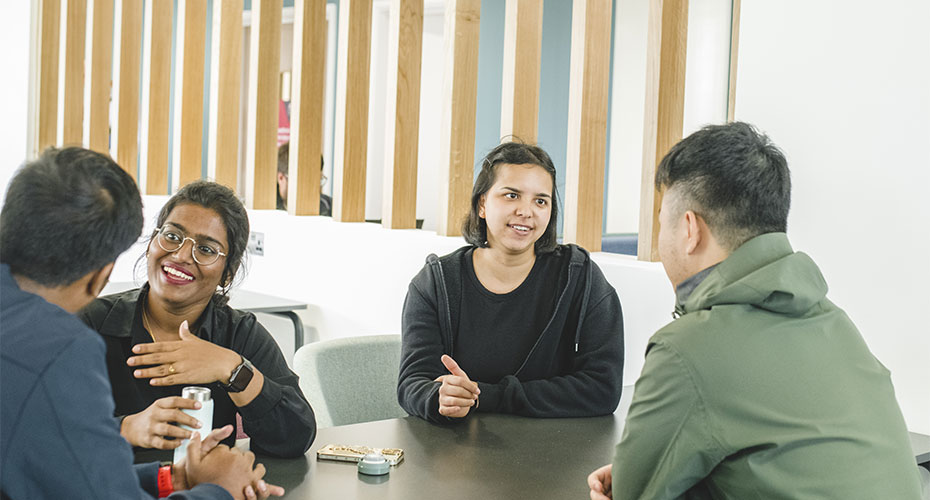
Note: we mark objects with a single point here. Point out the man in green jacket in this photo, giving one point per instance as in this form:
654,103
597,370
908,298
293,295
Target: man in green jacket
761,388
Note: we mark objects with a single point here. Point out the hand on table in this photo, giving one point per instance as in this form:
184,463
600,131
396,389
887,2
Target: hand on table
230,468
457,394
162,418
190,360
600,483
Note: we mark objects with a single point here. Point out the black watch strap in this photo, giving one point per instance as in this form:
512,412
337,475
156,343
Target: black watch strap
240,377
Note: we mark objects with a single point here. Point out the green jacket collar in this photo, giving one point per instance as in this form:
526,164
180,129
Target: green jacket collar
764,272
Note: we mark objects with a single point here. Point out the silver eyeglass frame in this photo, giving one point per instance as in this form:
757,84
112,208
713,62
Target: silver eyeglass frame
160,230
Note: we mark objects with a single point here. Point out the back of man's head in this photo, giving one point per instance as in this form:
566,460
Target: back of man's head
70,212
734,177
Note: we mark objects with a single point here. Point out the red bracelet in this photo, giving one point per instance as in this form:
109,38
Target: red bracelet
165,486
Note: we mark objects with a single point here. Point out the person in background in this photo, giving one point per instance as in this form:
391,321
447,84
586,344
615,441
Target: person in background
65,219
762,387
514,322
177,330
326,202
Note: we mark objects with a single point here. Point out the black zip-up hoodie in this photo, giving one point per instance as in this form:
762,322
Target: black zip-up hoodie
575,368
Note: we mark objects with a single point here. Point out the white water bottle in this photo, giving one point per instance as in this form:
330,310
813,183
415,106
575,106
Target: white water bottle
204,415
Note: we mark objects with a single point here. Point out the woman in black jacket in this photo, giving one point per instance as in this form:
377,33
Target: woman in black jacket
177,331
514,322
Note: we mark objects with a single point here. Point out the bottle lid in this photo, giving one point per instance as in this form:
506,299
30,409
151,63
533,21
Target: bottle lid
201,394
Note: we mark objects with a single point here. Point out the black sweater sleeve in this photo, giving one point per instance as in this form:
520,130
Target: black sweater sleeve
591,388
279,420
421,350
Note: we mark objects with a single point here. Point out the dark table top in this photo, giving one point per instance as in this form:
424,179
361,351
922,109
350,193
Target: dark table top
486,457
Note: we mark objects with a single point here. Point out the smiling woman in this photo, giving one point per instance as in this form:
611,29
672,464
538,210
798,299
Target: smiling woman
514,322
177,331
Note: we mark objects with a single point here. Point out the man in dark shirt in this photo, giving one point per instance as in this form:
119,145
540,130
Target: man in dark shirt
66,218
326,202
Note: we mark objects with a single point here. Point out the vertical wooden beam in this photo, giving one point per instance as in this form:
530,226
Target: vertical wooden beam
734,58
156,95
226,80
188,96
522,56
73,112
130,62
351,138
101,63
402,116
264,65
47,119
459,98
665,108
308,84
587,123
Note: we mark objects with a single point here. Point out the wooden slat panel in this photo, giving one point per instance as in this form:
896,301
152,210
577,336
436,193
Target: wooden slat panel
130,62
522,55
47,118
399,207
158,74
459,97
351,135
101,63
73,111
734,57
225,84
264,65
665,108
587,123
308,84
188,99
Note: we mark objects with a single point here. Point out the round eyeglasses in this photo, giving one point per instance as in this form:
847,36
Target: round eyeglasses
171,240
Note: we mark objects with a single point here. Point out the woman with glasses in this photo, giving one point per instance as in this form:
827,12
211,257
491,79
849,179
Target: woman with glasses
177,331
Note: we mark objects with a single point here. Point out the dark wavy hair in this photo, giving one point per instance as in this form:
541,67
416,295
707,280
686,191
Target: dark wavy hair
475,229
66,214
223,201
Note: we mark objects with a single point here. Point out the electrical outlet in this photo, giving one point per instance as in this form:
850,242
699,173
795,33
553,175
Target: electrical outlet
256,243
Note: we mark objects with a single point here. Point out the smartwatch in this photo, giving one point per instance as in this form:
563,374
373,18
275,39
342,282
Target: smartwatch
240,377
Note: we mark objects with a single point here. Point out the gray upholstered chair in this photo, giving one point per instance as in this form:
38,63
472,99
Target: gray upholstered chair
351,380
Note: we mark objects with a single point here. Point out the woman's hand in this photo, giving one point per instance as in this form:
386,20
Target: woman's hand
457,394
149,427
190,360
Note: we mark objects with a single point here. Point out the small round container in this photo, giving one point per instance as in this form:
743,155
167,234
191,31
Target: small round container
374,464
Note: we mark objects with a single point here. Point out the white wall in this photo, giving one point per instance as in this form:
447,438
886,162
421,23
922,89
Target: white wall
844,88
631,23
706,85
427,205
15,92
